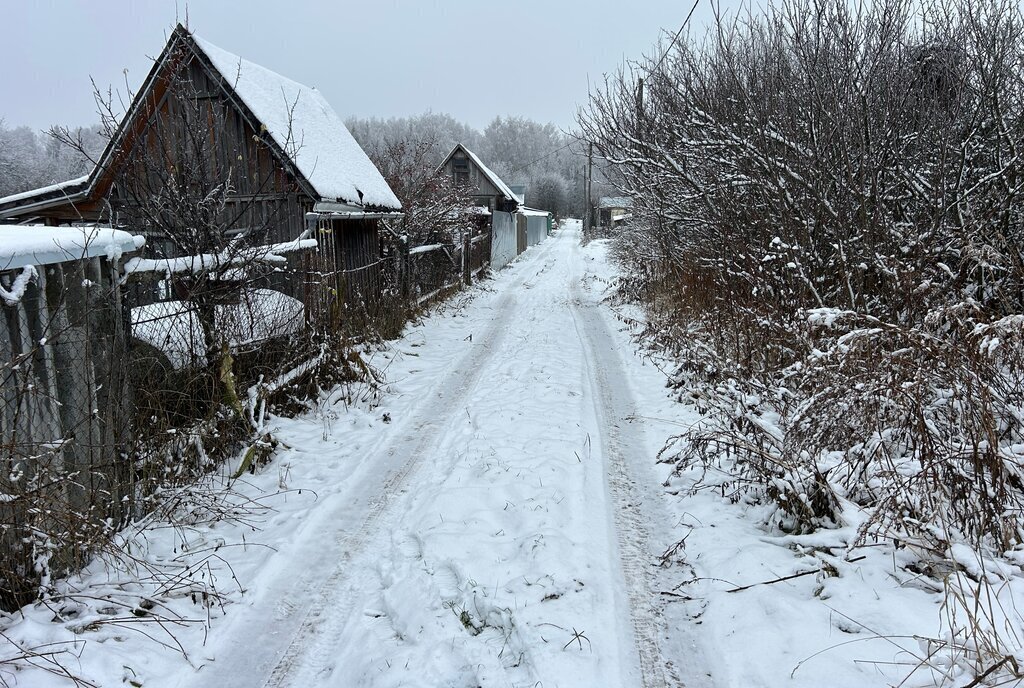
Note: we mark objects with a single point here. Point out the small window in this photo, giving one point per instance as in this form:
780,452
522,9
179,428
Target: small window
460,168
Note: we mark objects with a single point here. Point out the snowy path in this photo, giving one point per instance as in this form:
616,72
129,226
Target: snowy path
493,534
492,522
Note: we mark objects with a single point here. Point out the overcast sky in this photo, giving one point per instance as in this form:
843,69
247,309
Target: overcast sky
473,59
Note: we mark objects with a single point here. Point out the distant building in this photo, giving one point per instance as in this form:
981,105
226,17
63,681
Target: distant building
614,210
514,227
520,191
487,189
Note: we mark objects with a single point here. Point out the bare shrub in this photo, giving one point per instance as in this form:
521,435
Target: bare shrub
827,239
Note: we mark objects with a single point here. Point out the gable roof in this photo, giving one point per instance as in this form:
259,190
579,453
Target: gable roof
307,129
305,133
494,179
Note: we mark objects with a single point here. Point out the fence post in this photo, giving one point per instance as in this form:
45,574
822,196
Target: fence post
467,266
404,267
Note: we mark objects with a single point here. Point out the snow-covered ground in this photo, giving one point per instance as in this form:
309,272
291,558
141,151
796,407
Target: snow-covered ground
496,520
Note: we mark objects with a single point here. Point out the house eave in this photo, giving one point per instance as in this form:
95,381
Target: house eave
15,210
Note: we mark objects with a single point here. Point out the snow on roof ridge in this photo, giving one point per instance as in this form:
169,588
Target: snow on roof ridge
31,193
307,128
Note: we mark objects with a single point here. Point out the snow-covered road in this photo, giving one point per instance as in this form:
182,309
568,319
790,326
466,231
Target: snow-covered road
492,534
493,518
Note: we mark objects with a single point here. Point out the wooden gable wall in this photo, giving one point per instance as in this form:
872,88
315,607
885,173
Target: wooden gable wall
264,192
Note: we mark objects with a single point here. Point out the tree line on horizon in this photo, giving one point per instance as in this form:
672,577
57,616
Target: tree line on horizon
546,160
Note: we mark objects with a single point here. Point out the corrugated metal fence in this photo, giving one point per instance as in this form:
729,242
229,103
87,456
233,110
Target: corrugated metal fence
536,229
504,242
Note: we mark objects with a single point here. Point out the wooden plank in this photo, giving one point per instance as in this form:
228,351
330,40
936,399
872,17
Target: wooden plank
72,385
8,395
47,302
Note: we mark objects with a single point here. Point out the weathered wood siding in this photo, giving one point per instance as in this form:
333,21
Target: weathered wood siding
64,408
265,195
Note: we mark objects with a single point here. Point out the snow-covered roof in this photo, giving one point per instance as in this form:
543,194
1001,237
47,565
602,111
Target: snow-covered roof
297,117
60,186
22,245
533,212
615,202
494,179
305,126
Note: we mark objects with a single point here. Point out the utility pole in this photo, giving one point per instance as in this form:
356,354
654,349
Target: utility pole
588,180
639,108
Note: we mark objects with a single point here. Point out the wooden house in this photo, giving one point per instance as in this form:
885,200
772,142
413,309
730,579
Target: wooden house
487,189
208,124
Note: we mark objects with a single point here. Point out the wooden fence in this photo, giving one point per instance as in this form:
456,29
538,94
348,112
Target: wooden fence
64,410
436,269
94,397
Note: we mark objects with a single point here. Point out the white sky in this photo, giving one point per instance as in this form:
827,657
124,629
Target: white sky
472,59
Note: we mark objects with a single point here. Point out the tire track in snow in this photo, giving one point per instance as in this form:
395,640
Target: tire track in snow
325,617
613,405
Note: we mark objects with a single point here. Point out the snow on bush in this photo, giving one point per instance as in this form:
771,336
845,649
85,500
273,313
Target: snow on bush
827,234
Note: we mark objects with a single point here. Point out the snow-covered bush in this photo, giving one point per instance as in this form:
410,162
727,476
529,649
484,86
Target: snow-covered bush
828,239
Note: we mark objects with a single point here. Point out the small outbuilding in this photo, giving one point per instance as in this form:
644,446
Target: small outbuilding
614,210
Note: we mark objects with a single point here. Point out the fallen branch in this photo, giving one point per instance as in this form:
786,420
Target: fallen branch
786,578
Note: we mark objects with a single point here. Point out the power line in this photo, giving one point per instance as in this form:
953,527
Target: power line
676,37
656,67
543,157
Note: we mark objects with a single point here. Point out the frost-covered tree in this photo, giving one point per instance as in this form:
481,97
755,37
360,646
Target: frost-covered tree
29,160
67,161
436,210
548,192
21,160
437,131
829,234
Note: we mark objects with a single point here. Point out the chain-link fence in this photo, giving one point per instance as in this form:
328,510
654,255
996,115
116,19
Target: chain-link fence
123,377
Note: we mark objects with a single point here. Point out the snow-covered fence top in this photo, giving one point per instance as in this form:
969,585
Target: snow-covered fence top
24,245
533,212
272,253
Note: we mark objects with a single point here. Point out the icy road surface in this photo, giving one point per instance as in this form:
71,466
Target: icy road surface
492,534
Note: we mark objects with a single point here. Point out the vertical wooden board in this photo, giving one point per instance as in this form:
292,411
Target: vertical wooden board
115,413
8,380
31,426
48,370
73,382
